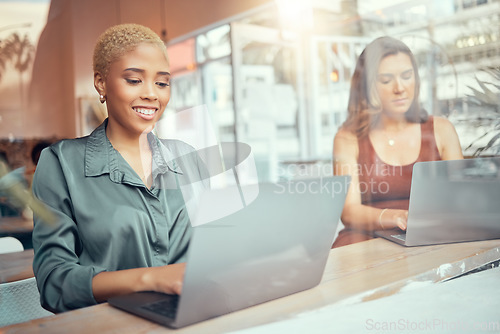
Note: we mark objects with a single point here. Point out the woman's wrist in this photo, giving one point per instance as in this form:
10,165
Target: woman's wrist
380,218
166,279
146,280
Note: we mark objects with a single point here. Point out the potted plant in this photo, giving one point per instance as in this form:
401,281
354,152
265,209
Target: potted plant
487,97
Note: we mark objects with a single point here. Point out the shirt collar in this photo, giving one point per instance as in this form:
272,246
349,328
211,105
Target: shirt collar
163,159
100,156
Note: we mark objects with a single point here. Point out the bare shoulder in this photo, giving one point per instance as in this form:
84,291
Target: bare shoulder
447,139
443,125
345,137
345,143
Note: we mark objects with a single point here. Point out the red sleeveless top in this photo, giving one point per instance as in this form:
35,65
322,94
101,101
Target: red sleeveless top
387,186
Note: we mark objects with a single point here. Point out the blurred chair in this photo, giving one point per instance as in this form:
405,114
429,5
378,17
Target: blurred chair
10,244
19,300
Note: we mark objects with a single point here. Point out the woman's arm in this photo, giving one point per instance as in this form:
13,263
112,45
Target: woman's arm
355,214
65,283
447,139
166,279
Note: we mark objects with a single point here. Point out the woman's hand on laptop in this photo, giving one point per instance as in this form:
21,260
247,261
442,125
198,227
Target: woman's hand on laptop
402,219
167,279
392,218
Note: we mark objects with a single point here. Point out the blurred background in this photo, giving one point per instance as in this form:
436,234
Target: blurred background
274,74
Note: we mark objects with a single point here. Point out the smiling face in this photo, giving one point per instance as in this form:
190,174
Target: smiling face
137,90
395,84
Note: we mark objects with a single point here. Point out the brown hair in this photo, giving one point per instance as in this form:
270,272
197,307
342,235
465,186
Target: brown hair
120,39
364,103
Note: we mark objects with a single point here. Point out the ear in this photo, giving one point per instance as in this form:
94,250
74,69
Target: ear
99,83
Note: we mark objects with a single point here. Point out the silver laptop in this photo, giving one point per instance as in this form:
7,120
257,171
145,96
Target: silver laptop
452,201
275,246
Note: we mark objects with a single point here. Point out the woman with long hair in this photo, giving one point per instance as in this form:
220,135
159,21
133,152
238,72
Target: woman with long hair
386,132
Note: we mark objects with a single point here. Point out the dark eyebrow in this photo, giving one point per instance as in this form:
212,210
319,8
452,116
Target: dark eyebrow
138,70
133,69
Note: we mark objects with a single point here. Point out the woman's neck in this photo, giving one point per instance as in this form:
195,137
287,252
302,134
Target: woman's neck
136,151
131,144
392,124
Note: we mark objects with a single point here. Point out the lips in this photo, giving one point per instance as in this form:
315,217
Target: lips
400,101
145,111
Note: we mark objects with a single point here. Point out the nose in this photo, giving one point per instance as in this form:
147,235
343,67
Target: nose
398,86
149,92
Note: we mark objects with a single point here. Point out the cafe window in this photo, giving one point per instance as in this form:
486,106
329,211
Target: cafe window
284,87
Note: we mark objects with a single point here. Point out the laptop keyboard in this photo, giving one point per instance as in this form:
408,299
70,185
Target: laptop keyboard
401,237
166,307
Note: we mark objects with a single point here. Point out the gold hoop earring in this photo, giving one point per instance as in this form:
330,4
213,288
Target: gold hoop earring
102,98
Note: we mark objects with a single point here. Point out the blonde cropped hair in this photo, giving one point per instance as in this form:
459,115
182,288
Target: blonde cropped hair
120,39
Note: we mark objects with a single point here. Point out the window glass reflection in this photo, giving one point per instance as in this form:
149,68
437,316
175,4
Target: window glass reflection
260,76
